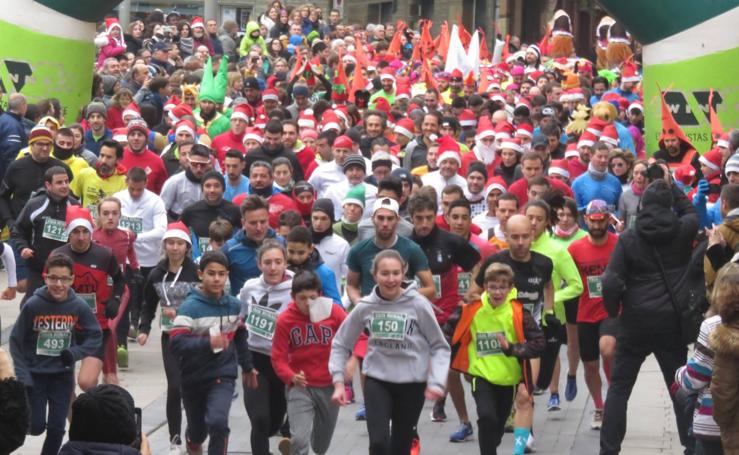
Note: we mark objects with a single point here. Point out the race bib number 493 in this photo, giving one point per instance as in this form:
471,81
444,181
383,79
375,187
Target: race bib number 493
51,343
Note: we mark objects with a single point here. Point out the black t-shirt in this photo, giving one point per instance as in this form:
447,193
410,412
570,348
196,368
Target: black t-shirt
530,278
444,249
198,216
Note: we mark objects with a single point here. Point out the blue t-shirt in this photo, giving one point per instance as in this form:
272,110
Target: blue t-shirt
363,253
233,191
586,188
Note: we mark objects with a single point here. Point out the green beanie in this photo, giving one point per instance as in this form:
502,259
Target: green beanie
355,196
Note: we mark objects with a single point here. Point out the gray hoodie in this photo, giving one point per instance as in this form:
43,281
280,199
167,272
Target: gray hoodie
405,342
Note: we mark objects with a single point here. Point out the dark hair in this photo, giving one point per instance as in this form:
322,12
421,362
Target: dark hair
104,414
215,256
538,203
280,161
300,234
459,102
110,143
730,194
64,131
509,197
330,136
461,202
136,174
452,122
59,260
252,203
531,156
290,218
158,83
220,230
290,122
306,281
273,127
233,153
261,163
538,181
200,150
551,129
600,80
453,189
380,141
434,114
421,203
571,205
392,184
52,171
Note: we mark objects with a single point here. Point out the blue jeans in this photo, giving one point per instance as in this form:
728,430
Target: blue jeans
54,390
207,406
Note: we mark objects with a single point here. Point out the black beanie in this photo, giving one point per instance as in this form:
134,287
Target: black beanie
104,413
478,166
326,206
213,175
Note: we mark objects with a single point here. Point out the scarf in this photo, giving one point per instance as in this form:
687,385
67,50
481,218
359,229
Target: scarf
265,192
596,174
565,234
636,190
316,237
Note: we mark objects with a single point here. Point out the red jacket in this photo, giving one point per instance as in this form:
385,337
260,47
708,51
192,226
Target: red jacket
520,189
307,158
301,345
151,163
225,142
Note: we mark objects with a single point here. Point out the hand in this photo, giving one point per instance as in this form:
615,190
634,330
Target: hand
144,449
111,307
251,378
6,366
339,397
715,236
26,253
170,313
8,294
67,358
142,338
503,341
300,380
433,393
219,341
550,320
702,188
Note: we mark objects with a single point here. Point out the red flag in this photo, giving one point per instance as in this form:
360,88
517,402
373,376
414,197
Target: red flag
359,51
464,35
427,77
506,52
484,52
544,43
484,82
298,64
394,47
416,53
442,46
426,43
716,129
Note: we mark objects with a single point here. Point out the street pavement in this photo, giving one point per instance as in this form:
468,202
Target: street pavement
650,428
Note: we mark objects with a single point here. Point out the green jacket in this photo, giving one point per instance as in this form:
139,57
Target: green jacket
247,41
565,277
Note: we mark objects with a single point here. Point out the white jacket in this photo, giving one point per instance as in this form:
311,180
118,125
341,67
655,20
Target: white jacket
273,299
178,192
334,250
337,193
326,175
150,209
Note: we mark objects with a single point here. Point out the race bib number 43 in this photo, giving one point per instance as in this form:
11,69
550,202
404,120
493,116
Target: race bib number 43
52,343
54,230
388,326
262,321
488,344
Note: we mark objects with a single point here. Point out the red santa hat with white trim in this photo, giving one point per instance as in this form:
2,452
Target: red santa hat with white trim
306,119
467,118
132,110
177,230
484,128
243,112
448,149
405,127
329,121
254,134
186,126
512,143
723,141
270,94
179,111
196,22
587,139
559,167
387,73
495,182
571,150
504,130
78,216
525,129
712,160
120,135
610,135
111,23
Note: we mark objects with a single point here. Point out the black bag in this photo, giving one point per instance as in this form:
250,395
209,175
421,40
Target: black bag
693,304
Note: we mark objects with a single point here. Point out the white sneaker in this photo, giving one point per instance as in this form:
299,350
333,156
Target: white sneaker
175,446
530,444
597,421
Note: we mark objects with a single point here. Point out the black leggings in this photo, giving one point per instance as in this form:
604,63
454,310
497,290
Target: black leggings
494,404
265,405
174,393
388,402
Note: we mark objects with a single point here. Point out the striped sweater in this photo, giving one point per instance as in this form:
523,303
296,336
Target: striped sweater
695,377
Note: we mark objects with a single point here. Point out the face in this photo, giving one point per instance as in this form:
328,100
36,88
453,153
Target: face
448,130
672,144
96,121
260,177
273,264
431,155
387,84
320,221
136,141
505,210
77,134
207,107
213,278
238,125
272,140
597,228
80,238
303,299
355,175
282,175
301,101
531,169
538,219
599,89
565,218
498,290
64,142
113,67
110,215
211,26
212,191
519,237
536,192
733,177
385,223
429,126
255,224
389,277
184,136
58,281
373,125
618,167
459,221
431,101
289,135
352,212
59,186
234,168
448,168
199,165
585,153
475,182
492,200
280,66
509,157
599,160
423,222
298,253
107,160
309,142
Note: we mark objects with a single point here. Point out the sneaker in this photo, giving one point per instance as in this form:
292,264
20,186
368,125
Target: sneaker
461,435
438,414
132,333
530,445
571,388
538,391
553,402
175,446
349,392
597,421
361,413
284,446
509,421
194,449
122,355
415,446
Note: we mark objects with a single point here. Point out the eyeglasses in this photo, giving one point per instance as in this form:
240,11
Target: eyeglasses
199,164
45,145
618,164
53,279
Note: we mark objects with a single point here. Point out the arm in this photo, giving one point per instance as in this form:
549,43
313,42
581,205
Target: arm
160,223
6,192
183,341
535,343
149,307
329,286
131,253
17,338
696,374
280,352
613,280
567,271
93,335
427,288
353,286
242,349
22,230
343,344
9,261
326,85
549,297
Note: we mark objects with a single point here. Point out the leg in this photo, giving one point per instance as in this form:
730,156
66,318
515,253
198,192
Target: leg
406,408
589,353
174,397
524,419
277,402
670,357
195,402
300,411
38,397
59,393
90,368
379,405
490,416
217,408
573,349
257,403
324,420
627,362
456,391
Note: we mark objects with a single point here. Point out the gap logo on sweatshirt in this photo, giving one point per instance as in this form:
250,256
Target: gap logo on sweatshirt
304,336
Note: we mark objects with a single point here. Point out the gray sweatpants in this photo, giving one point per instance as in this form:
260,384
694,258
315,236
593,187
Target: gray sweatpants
312,418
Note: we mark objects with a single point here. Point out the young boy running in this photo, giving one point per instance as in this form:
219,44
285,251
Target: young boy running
210,340
300,350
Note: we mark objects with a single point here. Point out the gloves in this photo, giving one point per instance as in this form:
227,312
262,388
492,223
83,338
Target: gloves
111,307
701,192
67,358
551,321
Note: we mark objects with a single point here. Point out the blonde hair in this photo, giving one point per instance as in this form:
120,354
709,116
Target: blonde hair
387,254
497,271
725,294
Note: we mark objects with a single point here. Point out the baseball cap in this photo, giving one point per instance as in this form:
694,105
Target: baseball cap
548,111
539,141
387,204
251,82
597,209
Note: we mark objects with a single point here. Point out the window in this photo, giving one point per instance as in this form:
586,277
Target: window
380,13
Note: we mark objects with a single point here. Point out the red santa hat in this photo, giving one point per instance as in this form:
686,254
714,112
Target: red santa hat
628,72
685,173
387,73
500,98
253,134
78,216
197,21
406,127
342,112
587,139
495,182
559,167
513,143
261,121
504,130
120,135
485,128
306,119
179,111
723,141
132,110
610,135
595,126
171,103
243,112
525,129
330,121
270,94
449,149
467,118
343,142
571,150
402,89
456,74
636,105
712,160
177,230
185,125
111,23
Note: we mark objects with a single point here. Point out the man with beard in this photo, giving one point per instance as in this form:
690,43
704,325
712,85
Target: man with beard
95,114
254,95
199,37
107,178
233,139
416,150
374,127
596,331
387,80
64,151
261,181
273,147
198,216
183,188
676,149
332,248
477,175
236,181
136,154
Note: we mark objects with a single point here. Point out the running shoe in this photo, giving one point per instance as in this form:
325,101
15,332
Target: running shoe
530,445
132,333
194,449
571,388
361,413
438,414
284,446
415,446
597,421
175,446
553,403
122,355
538,391
461,435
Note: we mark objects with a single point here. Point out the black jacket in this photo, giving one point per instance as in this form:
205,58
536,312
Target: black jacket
261,154
162,289
667,225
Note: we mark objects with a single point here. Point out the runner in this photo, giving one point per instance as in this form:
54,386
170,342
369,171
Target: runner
396,382
302,255
107,178
185,188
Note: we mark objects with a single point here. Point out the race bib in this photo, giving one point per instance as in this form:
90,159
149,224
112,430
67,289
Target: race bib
52,343
595,286
93,208
388,326
91,300
262,321
54,230
132,223
487,343
203,243
164,321
463,282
